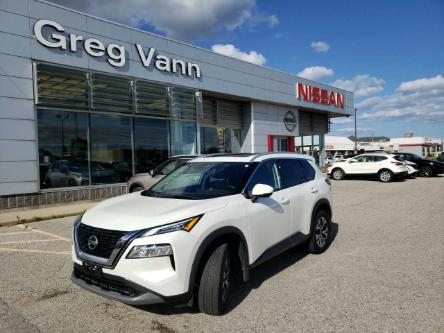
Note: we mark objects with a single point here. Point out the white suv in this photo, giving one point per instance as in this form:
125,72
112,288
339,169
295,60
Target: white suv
185,237
383,166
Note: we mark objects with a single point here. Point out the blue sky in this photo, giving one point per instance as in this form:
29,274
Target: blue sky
391,53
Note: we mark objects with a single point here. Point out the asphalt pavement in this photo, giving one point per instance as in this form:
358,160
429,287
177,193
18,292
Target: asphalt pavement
384,272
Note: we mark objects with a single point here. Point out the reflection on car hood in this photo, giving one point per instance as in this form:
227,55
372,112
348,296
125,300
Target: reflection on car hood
135,211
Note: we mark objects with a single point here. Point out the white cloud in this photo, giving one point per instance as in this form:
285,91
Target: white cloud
341,120
362,85
417,100
352,129
316,73
232,51
181,19
432,83
320,46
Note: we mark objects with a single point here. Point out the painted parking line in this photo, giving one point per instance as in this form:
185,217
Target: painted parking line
16,233
47,234
31,241
64,253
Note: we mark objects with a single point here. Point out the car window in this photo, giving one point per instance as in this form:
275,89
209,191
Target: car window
291,172
266,173
360,159
203,180
308,170
379,158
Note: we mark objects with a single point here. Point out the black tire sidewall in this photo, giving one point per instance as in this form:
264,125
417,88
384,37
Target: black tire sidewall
211,281
312,244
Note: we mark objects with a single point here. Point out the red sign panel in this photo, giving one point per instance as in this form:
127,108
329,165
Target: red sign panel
315,94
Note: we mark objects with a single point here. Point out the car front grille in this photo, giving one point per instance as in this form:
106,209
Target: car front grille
107,240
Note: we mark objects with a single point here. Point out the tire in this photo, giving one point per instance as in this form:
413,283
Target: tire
136,189
385,176
320,234
426,171
215,282
338,174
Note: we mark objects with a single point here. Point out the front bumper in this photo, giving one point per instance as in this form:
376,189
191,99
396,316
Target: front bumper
120,289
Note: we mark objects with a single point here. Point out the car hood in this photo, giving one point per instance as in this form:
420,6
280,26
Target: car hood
135,211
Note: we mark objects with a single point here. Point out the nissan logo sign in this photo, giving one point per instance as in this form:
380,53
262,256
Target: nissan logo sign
93,242
290,121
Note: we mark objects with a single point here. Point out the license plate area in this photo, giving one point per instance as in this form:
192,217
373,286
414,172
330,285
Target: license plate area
92,270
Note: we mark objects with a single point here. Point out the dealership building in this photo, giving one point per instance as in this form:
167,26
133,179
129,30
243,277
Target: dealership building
85,103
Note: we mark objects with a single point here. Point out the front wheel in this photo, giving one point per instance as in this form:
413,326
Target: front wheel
426,171
321,232
338,174
215,282
385,176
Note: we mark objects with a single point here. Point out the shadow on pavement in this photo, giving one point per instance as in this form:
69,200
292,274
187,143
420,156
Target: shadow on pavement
258,275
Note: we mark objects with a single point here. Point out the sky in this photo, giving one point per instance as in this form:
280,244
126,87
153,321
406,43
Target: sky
389,53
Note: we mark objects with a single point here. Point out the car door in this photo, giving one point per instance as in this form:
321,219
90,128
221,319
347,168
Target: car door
356,165
269,218
299,189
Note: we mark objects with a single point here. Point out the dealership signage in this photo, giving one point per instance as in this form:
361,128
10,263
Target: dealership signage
290,121
315,94
115,53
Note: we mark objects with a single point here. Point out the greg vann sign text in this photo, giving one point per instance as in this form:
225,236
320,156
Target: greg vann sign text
115,53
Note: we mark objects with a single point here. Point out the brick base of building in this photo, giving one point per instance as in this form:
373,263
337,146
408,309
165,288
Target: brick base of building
61,196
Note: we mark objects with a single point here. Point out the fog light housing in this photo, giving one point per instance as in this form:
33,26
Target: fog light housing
150,251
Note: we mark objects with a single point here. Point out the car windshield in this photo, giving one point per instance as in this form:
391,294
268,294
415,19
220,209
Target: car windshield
203,180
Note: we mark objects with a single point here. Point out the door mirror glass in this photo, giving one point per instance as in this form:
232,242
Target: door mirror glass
152,173
261,190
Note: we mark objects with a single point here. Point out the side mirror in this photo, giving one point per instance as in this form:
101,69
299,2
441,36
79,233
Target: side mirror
351,161
152,173
261,190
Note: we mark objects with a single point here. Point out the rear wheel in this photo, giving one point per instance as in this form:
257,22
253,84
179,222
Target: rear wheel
385,176
215,282
320,235
338,174
426,171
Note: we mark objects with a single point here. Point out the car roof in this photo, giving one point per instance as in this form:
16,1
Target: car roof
248,157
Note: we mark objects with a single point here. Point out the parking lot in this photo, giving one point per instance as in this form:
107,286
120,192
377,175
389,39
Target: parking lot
383,272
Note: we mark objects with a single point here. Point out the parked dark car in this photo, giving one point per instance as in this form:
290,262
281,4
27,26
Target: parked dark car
441,157
427,168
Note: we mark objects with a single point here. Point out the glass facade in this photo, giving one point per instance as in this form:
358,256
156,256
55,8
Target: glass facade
96,129
80,148
219,140
311,145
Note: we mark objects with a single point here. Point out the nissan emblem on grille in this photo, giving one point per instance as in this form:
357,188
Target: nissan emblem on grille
93,242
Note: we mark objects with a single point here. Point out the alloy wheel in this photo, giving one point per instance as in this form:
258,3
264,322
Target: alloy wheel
321,231
385,176
337,174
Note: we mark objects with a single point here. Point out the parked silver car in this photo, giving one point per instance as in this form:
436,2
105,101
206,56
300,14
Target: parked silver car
143,181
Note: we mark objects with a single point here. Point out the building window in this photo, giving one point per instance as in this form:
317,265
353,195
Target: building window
63,148
219,140
100,129
150,143
183,138
111,153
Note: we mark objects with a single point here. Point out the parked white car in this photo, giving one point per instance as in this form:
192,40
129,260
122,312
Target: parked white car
383,166
187,235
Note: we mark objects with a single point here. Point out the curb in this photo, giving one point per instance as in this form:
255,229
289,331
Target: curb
37,219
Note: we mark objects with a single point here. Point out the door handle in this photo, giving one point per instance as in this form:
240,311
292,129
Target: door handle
314,190
284,201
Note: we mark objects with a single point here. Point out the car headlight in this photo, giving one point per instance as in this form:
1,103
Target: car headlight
150,251
185,225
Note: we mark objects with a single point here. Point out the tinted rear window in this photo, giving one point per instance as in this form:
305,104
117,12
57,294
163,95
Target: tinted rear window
292,172
309,171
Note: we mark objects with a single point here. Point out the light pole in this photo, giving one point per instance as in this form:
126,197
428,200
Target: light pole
356,134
